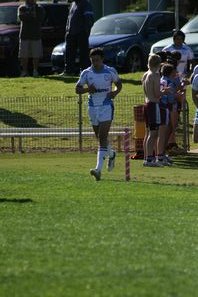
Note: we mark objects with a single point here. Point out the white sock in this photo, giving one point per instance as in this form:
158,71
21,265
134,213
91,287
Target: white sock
102,153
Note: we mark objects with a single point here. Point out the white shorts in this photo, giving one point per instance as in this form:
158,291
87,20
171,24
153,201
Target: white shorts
30,49
100,114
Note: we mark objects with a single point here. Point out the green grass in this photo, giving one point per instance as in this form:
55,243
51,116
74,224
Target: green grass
54,85
63,234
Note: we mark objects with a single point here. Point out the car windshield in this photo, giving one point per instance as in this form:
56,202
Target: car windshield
118,25
191,26
8,15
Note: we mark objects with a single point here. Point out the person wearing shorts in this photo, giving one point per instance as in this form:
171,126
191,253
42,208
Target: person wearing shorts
184,69
168,107
97,80
151,87
31,16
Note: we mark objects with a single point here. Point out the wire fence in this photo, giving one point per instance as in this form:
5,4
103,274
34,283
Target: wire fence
68,114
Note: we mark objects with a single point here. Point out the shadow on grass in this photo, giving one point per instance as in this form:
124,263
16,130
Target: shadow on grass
73,79
16,200
189,161
65,79
17,119
132,81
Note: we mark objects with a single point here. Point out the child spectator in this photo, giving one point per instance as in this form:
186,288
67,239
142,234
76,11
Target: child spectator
151,86
167,108
173,58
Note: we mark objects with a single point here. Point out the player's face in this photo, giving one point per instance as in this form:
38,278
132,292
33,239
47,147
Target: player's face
178,40
96,61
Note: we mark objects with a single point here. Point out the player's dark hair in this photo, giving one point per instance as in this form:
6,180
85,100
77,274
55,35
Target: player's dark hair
163,56
176,55
167,69
97,51
179,33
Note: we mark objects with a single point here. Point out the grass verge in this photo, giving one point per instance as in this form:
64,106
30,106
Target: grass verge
63,234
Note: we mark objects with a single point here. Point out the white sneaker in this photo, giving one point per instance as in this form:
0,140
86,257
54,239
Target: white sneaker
35,73
96,174
148,164
111,162
169,159
165,162
152,164
159,163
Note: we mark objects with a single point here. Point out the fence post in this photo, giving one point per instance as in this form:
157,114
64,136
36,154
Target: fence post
80,121
127,155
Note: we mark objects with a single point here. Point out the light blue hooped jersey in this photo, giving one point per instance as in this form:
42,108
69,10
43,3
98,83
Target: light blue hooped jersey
102,81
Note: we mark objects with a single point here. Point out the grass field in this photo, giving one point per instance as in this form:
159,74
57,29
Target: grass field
54,85
65,235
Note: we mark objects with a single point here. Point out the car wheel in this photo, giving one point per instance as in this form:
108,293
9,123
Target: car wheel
134,61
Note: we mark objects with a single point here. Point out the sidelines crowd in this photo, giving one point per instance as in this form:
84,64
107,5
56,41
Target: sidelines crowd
164,86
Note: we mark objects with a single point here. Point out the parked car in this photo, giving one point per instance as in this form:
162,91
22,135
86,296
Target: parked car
126,38
53,31
191,31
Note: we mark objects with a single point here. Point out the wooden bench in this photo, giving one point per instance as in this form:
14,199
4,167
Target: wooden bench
21,133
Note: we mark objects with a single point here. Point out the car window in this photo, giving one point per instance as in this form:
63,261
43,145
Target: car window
8,15
119,25
126,26
169,21
161,23
103,26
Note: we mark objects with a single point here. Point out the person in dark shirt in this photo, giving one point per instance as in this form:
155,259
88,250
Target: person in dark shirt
78,27
31,16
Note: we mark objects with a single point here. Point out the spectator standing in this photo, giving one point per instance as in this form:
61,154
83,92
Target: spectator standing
97,80
168,107
151,87
31,16
78,27
184,68
185,64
